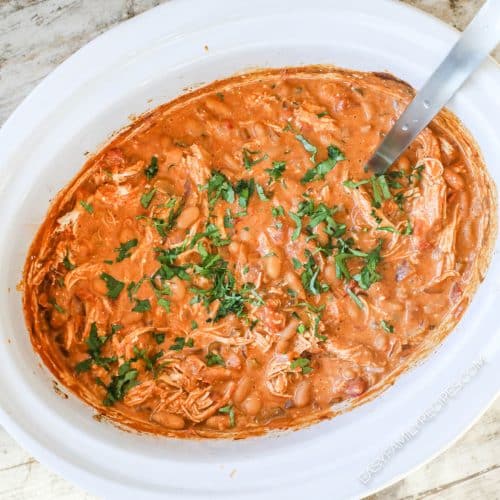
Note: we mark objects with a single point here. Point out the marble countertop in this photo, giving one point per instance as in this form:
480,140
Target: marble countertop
36,36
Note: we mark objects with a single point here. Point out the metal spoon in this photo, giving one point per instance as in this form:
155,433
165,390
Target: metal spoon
476,42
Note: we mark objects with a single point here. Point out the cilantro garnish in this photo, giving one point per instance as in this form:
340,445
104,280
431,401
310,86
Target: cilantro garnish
298,224
180,343
387,326
322,168
67,263
355,298
95,343
276,171
133,287
260,192
213,359
142,305
317,214
309,276
303,364
228,219
57,307
244,189
310,148
164,226
123,249
114,286
248,158
278,211
164,304
148,361
159,337
223,289
213,234
152,169
168,269
87,206
219,187
146,198
368,274
121,383
229,410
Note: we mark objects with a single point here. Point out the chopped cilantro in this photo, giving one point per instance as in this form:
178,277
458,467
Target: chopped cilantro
303,364
244,189
95,343
278,211
67,263
87,206
228,219
214,359
276,171
164,304
57,307
321,213
355,298
168,269
114,286
148,361
159,337
260,192
83,366
115,327
164,226
152,169
416,174
355,184
121,383
317,214
146,198
123,249
387,326
408,229
223,288
213,234
133,287
142,305
298,224
322,168
310,148
368,274
229,410
309,276
180,343
248,158
219,187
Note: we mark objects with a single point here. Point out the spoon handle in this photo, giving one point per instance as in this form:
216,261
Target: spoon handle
476,42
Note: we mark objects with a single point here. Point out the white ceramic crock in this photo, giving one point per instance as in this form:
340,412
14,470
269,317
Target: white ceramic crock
150,60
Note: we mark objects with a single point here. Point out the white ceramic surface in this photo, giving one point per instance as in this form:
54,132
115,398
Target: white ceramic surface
135,67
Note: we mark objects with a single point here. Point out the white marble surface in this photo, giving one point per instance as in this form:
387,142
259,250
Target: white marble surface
37,35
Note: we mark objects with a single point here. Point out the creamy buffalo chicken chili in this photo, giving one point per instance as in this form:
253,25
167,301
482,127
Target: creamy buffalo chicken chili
226,266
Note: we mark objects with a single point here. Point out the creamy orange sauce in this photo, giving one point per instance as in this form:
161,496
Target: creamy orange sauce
225,265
